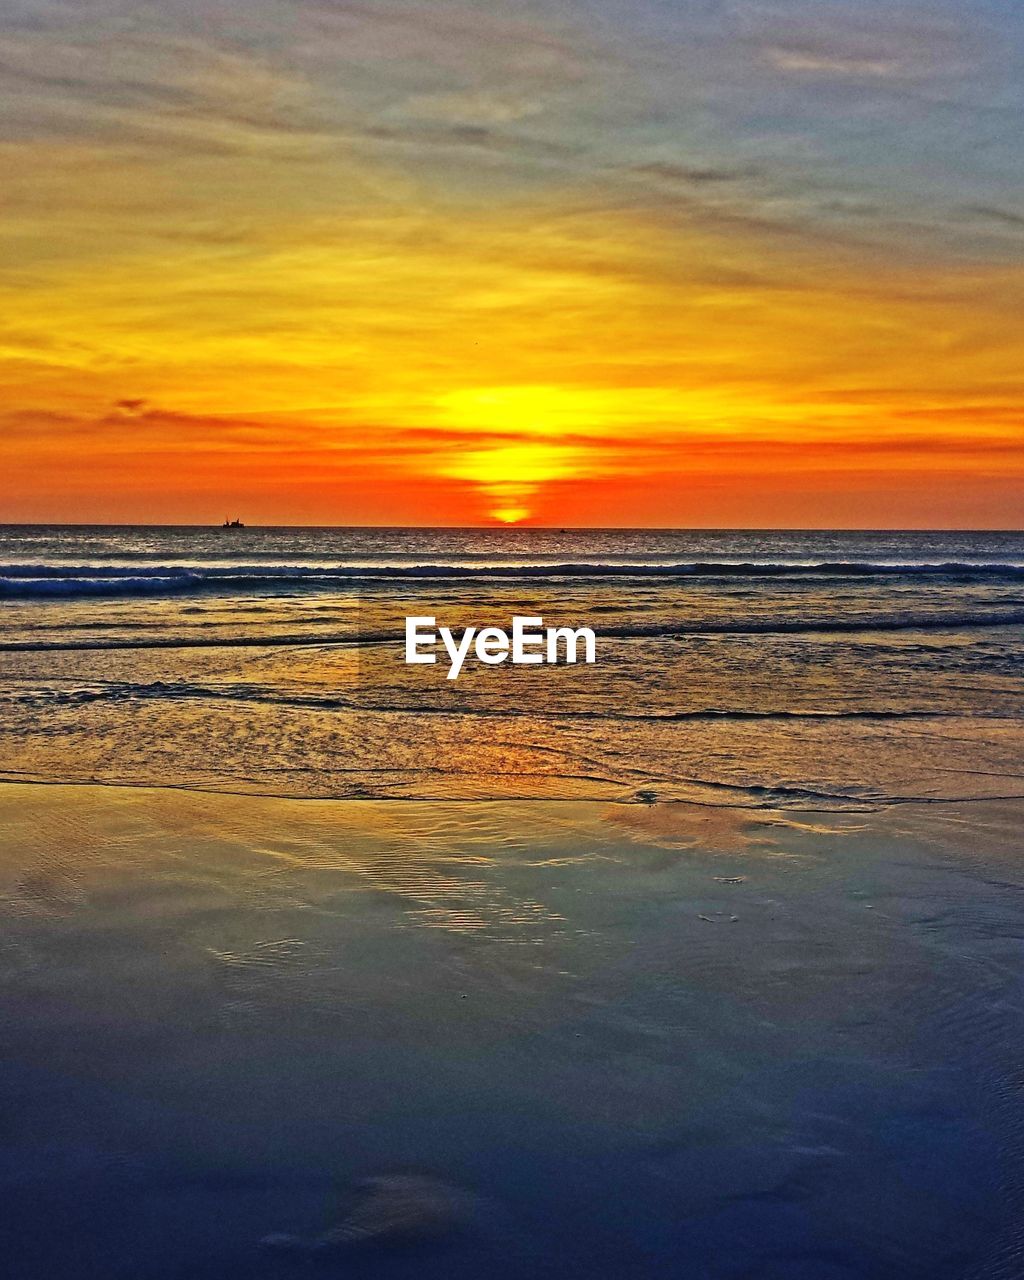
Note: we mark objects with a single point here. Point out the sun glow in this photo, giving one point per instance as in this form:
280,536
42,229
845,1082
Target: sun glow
530,410
508,476
511,515
528,425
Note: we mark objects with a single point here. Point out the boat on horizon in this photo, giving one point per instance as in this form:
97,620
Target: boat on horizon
233,524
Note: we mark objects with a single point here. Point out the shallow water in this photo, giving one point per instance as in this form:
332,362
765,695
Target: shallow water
639,1040
756,668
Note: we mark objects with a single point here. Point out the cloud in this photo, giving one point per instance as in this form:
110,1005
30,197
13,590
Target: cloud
819,63
472,137
494,42
691,175
864,40
130,408
1007,217
155,73
477,107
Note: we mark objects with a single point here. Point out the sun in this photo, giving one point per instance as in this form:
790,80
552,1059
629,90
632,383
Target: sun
519,441
508,475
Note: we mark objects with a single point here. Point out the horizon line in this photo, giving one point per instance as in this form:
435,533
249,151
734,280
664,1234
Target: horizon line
509,528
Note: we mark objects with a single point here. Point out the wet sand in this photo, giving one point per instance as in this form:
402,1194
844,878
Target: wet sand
635,1040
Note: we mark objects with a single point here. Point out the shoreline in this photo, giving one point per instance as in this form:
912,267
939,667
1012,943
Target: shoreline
865,807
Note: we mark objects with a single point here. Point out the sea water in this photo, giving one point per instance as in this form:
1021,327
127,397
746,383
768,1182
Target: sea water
756,667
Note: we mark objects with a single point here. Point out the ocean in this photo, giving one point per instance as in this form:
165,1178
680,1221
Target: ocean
754,667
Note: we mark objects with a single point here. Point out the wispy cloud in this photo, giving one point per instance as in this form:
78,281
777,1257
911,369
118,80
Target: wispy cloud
692,175
1006,217
820,63
470,106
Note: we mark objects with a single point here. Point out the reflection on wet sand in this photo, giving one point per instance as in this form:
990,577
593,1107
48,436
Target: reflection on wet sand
663,1038
699,827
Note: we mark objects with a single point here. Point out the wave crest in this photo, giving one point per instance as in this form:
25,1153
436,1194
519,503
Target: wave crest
42,581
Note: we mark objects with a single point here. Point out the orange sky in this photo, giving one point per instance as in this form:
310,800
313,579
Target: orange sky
332,274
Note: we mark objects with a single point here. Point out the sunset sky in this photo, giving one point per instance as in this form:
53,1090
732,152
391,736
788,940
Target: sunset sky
609,262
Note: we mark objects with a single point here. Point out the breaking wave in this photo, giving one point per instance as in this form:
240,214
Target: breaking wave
38,581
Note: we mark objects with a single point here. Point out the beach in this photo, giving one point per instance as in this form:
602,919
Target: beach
642,1040
703,961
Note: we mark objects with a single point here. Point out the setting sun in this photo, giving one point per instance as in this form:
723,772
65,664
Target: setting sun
511,515
507,476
